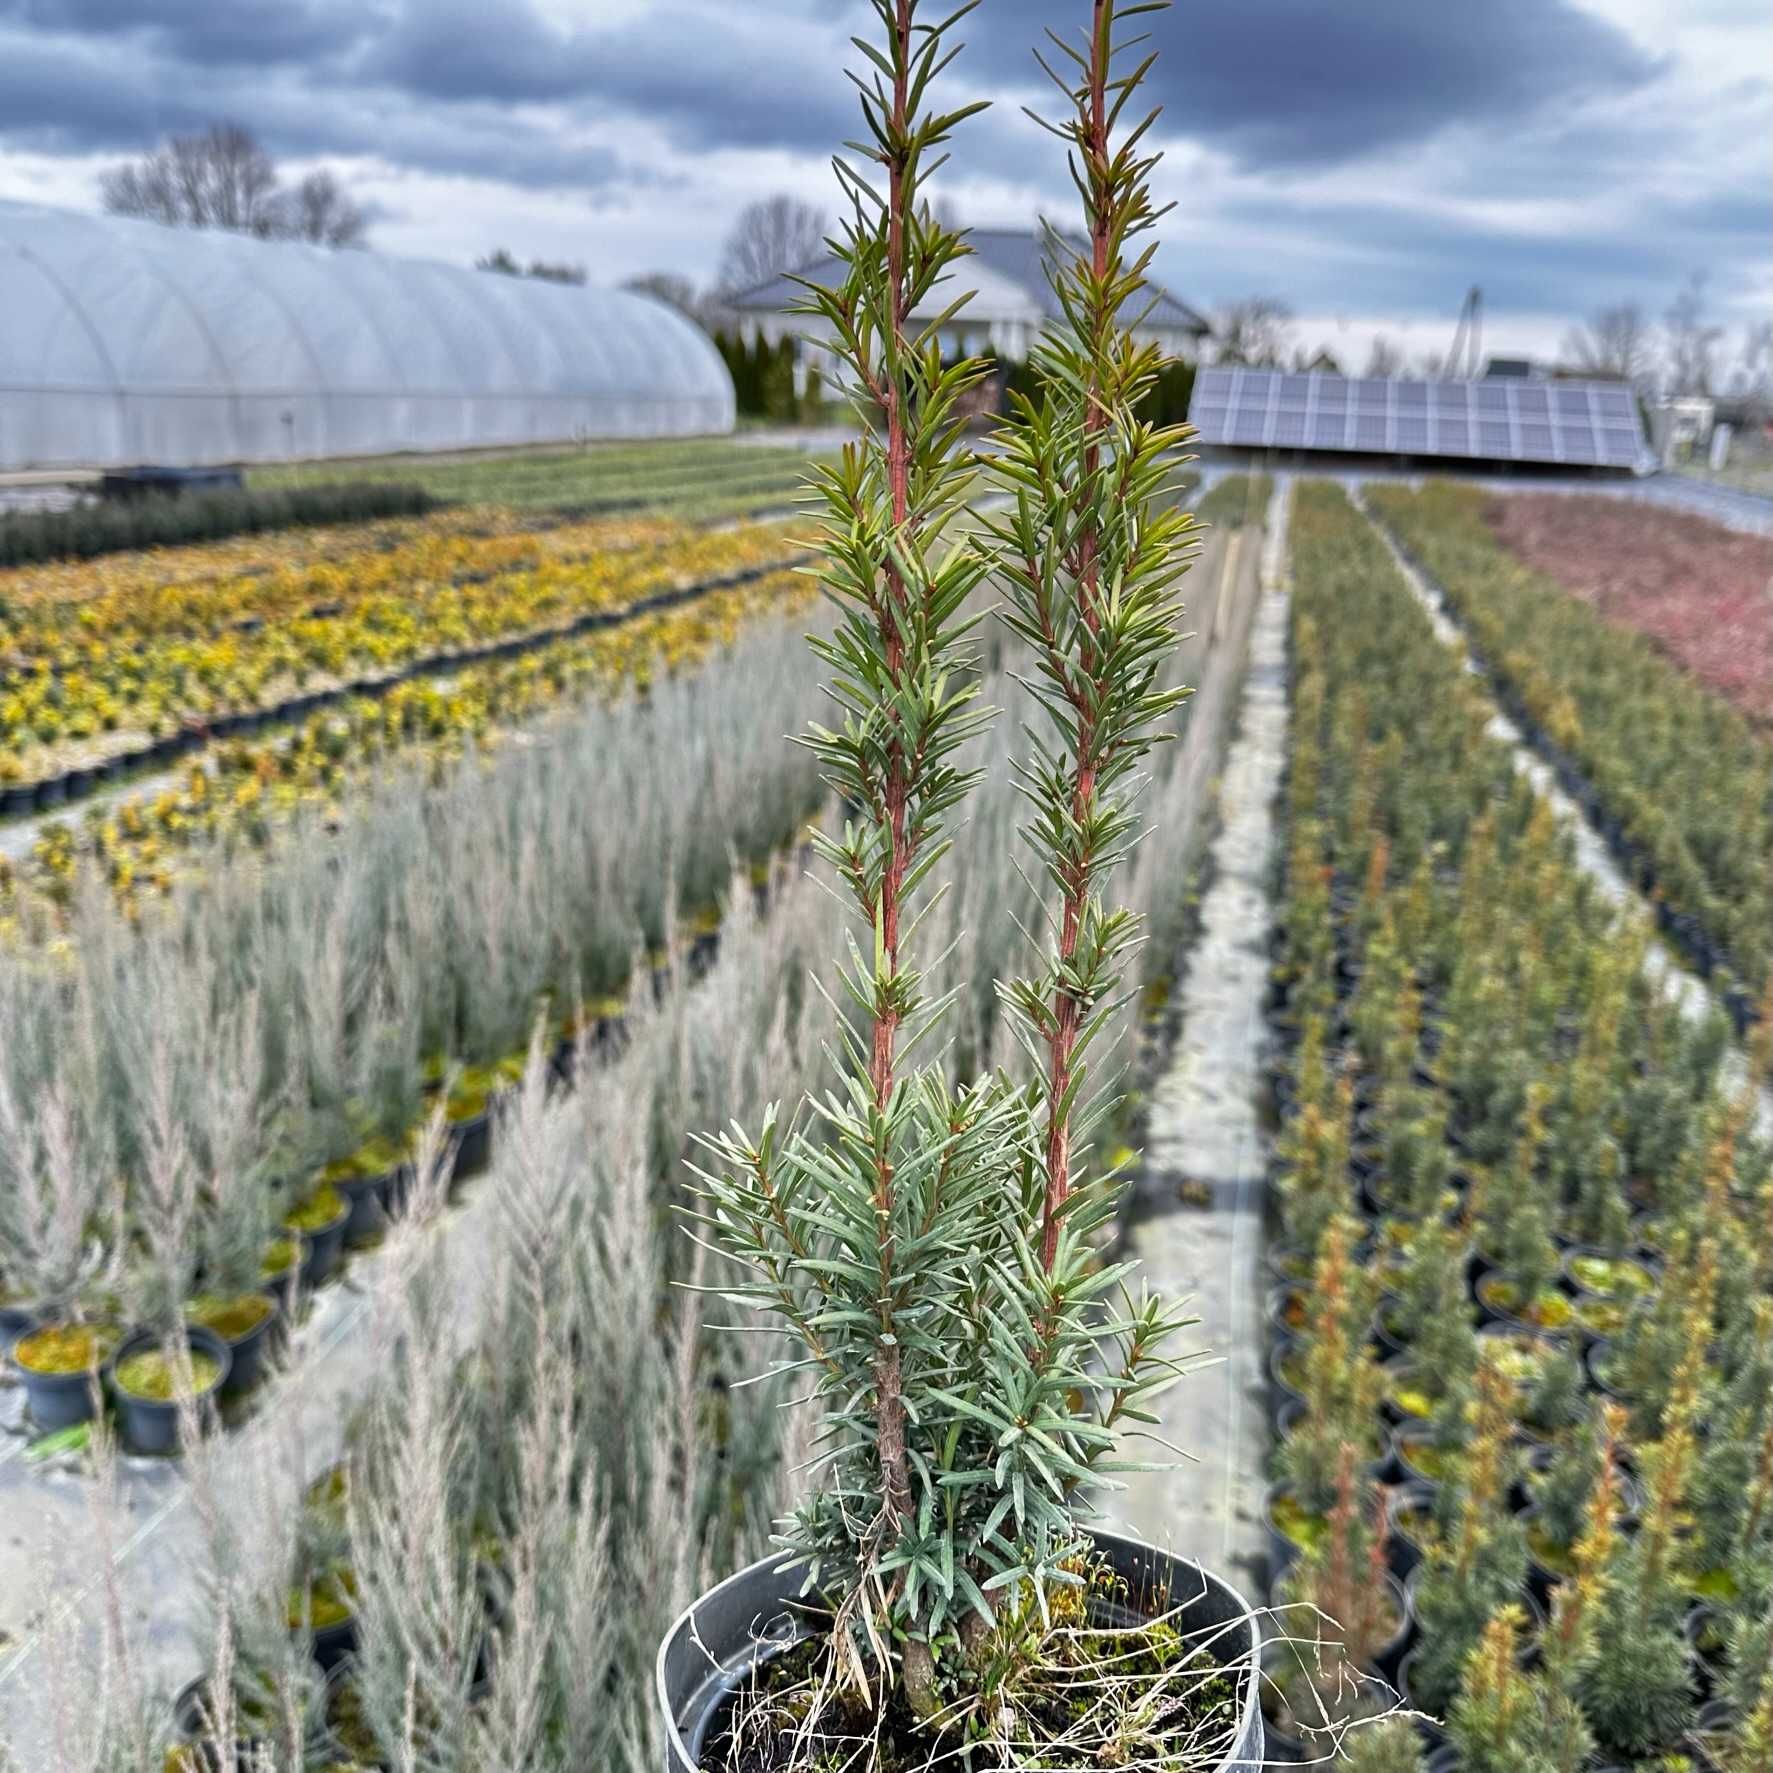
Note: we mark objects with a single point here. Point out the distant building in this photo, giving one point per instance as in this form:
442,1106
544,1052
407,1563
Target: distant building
1519,369
1011,304
1682,425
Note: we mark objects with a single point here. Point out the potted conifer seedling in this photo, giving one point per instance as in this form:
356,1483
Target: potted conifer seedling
929,1246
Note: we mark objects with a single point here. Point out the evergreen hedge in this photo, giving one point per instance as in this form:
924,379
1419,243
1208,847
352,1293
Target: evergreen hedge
160,520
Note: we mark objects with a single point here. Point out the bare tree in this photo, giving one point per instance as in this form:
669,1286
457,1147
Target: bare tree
1384,360
1690,340
772,235
319,209
224,179
1254,332
1754,369
1612,342
670,288
501,260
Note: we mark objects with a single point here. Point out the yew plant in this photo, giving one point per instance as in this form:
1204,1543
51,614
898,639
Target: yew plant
929,1248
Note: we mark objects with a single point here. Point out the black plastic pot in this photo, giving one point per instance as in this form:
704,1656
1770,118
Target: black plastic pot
322,1249
57,1400
394,1189
1410,1501
150,1425
188,1711
247,1353
472,1145
332,1644
363,1194
718,1642
15,1320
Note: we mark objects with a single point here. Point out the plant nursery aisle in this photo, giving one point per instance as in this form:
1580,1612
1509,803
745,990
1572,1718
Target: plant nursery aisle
1205,1134
1592,854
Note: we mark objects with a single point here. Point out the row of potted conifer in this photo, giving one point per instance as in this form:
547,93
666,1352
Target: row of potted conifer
1521,1357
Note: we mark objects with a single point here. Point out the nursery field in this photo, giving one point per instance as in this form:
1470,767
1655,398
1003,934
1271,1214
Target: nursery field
389,1102
700,477
1701,594
1520,1338
1674,774
154,705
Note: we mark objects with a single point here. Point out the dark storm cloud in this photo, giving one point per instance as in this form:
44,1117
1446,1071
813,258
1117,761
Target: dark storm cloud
1283,82
1528,100
736,76
1275,82
233,32
72,95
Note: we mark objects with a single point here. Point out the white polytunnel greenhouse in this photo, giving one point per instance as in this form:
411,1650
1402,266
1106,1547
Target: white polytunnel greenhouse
125,343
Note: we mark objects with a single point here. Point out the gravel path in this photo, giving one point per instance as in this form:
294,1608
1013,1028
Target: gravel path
1206,1133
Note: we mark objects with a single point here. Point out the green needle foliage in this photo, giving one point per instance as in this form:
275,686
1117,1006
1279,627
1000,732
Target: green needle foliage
1091,557
928,1252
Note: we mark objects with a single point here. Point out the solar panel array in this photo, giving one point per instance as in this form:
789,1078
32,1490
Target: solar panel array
1582,424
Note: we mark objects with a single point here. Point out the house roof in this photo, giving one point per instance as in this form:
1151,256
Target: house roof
1007,272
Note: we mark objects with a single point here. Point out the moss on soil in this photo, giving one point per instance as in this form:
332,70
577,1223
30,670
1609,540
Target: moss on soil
1547,1553
318,1212
58,1349
1425,1460
1552,1310
231,1317
330,1601
372,1159
152,1376
1298,1524
281,1257
1611,1277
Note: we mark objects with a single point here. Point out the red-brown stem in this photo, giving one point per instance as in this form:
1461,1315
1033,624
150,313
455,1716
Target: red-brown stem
1068,1012
890,1406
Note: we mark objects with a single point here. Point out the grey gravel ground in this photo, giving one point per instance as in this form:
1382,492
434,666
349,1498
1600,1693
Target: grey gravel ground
1206,1132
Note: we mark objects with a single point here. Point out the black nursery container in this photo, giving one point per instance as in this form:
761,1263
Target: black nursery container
322,1249
151,1425
56,1400
247,1353
715,1645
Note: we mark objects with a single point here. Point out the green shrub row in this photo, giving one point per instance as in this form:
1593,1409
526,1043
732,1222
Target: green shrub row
163,520
1522,1274
1236,499
763,379
1682,782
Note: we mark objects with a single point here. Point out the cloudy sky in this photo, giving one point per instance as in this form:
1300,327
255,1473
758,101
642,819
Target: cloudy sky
1366,160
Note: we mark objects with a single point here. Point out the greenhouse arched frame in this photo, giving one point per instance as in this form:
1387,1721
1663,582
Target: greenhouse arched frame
125,342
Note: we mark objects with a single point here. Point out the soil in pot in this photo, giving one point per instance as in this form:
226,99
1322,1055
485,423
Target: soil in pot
762,1732
748,1640
320,1223
1551,1313
281,1270
247,1322
58,1365
1607,1276
149,1391
362,1178
1410,1525
327,1609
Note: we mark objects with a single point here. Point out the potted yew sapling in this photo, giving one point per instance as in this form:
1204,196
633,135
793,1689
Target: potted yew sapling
931,1249
1507,1720
1480,1564
1637,1689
